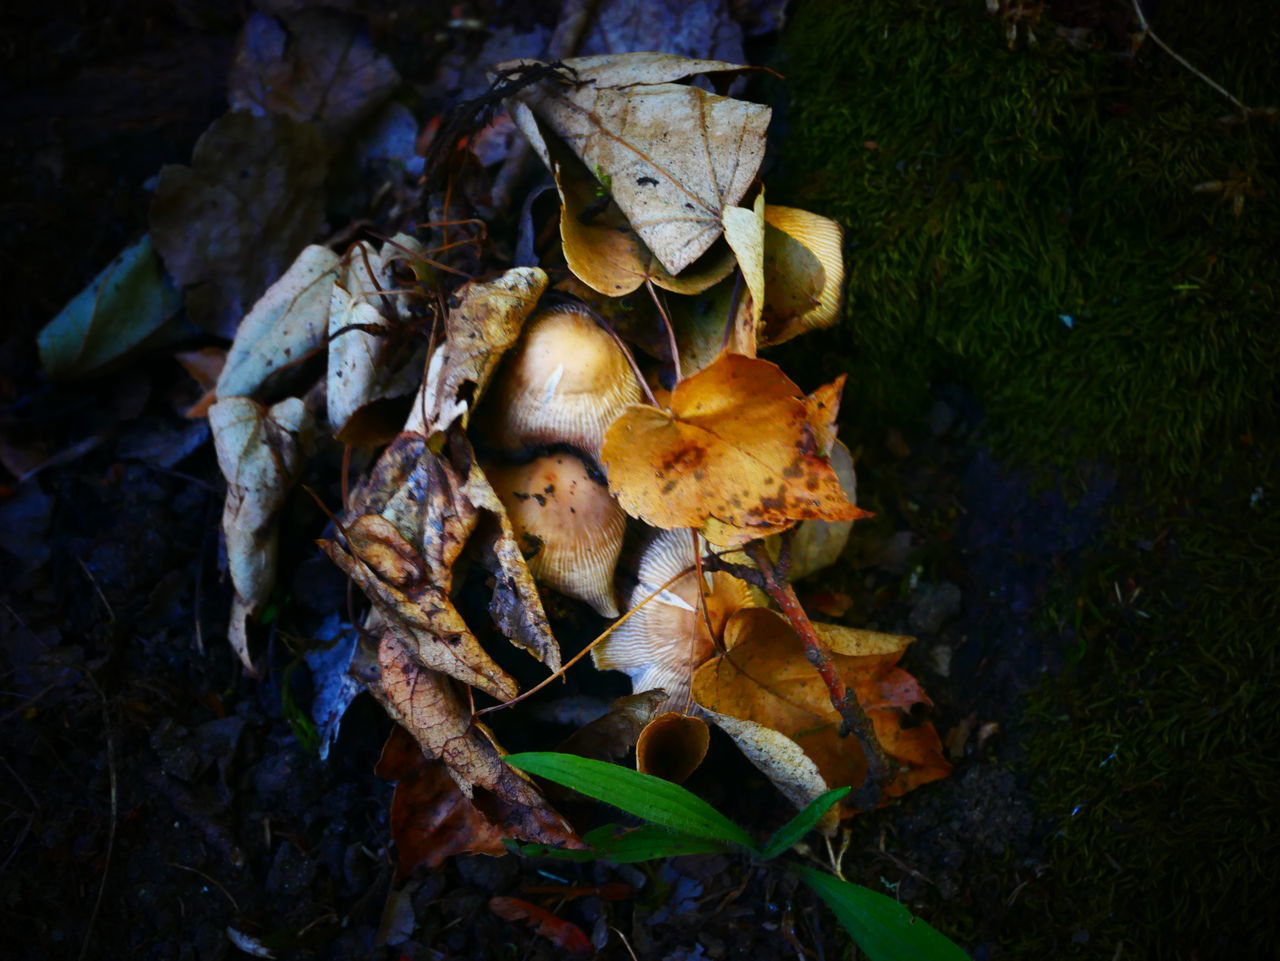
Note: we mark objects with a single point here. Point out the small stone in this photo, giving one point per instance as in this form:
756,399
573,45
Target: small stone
934,605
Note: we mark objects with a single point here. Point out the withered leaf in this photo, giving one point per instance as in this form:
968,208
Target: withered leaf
674,156
410,586
602,248
286,324
744,230
485,322
613,735
230,224
260,453
431,819
427,705
819,544
736,456
314,67
765,680
564,934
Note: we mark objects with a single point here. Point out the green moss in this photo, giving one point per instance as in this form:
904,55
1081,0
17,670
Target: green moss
989,194
1007,190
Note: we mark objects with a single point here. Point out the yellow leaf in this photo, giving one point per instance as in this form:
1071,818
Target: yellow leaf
804,273
736,448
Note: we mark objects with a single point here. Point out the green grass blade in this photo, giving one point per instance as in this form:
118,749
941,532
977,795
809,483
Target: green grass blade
802,823
648,843
883,928
643,795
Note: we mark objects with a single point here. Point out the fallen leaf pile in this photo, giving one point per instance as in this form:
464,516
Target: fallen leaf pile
598,426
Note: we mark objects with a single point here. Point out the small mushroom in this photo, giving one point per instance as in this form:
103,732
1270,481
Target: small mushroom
565,382
568,524
661,644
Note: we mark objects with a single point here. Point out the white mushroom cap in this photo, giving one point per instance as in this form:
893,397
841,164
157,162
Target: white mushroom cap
565,382
568,521
665,641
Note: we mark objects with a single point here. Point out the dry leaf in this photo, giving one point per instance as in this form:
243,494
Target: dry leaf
674,156
804,273
611,736
672,746
428,706
765,680
564,934
368,365
286,324
602,248
736,456
431,819
485,322
232,222
260,453
661,644
205,366
744,230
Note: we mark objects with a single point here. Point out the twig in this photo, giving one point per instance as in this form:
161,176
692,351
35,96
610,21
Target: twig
212,880
853,718
671,331
1146,29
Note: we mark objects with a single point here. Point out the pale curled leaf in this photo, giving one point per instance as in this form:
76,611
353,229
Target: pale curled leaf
744,230
287,323
260,453
804,273
674,156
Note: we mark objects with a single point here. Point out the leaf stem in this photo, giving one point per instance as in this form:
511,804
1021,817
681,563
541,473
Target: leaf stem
853,718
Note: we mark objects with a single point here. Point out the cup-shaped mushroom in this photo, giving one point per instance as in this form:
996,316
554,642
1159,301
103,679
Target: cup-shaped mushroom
662,643
565,382
568,525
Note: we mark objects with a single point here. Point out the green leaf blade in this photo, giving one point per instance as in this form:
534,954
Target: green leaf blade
643,795
882,928
802,823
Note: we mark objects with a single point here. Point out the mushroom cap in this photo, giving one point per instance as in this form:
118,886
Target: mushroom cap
568,522
662,644
565,382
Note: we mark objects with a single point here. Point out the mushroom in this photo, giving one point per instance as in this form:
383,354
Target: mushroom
567,523
662,643
565,382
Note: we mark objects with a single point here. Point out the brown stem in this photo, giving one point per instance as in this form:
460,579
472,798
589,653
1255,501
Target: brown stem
853,718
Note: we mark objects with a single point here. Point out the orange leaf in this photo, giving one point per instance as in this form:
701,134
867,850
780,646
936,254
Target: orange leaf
737,455
565,934
765,679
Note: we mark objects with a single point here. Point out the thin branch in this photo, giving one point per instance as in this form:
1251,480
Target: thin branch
853,718
1146,29
671,331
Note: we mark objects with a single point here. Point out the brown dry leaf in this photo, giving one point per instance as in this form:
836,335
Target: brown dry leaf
410,586
566,935
804,273
736,456
260,453
772,694
431,819
602,248
674,156
613,735
287,324
672,746
485,322
428,706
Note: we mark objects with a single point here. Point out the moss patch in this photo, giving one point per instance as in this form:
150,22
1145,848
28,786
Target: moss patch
1025,223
